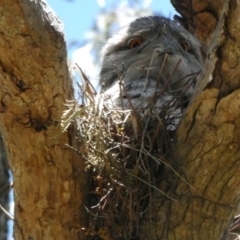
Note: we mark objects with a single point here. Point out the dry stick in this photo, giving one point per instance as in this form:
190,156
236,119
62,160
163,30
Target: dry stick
85,78
159,77
153,187
6,212
161,69
91,99
188,83
160,73
159,126
130,210
89,87
95,215
91,90
157,161
169,78
120,83
235,225
142,145
156,50
134,113
80,153
129,100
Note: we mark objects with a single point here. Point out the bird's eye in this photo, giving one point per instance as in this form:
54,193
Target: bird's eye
184,45
135,42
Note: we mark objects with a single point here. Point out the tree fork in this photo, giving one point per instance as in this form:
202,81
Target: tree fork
48,177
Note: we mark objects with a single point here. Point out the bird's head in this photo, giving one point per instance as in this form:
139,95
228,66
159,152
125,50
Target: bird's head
151,54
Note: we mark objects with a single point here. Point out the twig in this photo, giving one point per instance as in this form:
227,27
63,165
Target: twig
6,212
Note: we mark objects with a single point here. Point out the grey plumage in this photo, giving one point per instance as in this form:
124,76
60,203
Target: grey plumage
135,56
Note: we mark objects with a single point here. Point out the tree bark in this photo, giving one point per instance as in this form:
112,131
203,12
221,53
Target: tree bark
207,143
35,81
48,177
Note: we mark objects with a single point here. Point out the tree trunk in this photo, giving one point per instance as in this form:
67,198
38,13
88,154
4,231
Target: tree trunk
35,81
207,143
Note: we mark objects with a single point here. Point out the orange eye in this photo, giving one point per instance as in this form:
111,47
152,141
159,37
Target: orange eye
184,45
135,42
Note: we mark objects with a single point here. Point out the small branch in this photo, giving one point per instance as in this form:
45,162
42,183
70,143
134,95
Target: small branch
6,212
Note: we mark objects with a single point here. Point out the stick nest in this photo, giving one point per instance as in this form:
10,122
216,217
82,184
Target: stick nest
125,152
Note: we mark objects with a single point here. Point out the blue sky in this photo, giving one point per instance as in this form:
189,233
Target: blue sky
78,16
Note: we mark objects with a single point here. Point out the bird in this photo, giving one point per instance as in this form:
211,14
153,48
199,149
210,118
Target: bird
150,61
151,64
